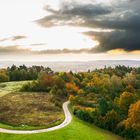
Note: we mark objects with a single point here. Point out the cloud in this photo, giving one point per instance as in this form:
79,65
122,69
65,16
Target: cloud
118,15
38,44
19,50
121,16
126,40
18,37
73,14
62,51
125,21
13,50
13,38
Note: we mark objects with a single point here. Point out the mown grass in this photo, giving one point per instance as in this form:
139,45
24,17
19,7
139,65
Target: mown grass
21,127
76,130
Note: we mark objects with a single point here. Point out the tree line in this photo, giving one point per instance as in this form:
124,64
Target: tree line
21,73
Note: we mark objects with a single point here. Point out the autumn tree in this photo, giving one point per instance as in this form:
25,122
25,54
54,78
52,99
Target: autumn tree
133,120
45,79
116,83
58,82
3,76
130,79
126,99
72,88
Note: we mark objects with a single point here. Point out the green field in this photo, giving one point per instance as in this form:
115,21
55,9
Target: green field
77,130
8,87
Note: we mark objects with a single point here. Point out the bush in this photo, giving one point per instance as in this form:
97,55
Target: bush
83,115
110,120
4,77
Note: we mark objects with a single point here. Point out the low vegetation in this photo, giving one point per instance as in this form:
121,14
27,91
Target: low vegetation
30,109
8,87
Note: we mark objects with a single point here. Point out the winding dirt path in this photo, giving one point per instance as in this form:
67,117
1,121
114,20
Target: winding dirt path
67,120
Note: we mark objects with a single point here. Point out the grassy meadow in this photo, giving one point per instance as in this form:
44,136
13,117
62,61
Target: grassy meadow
76,130
8,87
29,111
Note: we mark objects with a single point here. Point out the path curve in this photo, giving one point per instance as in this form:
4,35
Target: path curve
67,120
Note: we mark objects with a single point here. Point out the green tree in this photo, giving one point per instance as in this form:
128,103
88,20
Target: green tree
110,120
103,106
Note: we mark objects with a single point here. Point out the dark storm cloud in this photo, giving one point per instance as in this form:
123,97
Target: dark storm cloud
88,10
130,23
73,14
127,40
122,16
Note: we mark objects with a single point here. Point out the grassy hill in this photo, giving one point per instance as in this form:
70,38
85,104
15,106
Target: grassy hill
77,130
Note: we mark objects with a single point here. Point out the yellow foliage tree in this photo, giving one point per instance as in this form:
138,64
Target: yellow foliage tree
126,99
133,120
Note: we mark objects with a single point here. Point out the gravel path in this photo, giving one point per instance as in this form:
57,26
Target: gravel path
67,120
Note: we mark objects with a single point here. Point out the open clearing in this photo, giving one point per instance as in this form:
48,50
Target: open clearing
8,87
29,111
76,130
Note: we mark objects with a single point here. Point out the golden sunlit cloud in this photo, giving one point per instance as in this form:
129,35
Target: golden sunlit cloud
117,52
136,52
122,51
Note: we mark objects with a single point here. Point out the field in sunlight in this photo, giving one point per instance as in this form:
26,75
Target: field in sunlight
8,87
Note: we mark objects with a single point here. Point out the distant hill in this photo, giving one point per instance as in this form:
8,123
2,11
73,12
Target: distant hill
75,65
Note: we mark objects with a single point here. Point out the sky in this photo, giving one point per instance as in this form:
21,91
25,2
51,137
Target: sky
69,30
